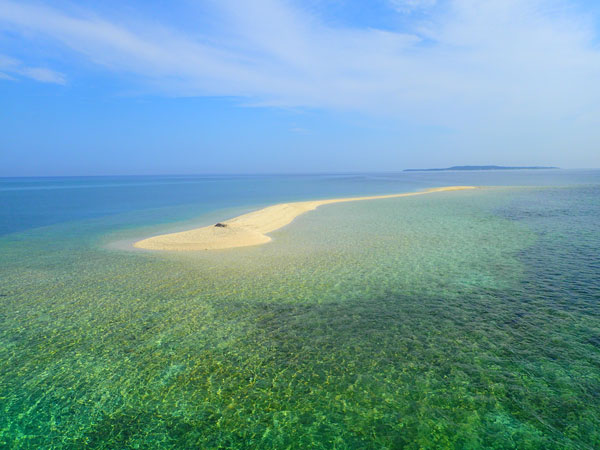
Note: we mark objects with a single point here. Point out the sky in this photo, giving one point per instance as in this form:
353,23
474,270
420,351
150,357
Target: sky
294,86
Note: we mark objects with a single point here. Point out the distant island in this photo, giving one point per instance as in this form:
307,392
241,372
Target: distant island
481,168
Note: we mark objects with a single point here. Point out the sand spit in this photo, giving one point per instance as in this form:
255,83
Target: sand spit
252,228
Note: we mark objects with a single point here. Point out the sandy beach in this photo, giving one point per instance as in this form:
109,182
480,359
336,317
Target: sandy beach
252,228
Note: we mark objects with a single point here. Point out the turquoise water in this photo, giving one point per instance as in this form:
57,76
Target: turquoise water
453,320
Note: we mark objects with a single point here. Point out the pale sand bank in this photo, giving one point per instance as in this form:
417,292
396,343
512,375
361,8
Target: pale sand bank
252,228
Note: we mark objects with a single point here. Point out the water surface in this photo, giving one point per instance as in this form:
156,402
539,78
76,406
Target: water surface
463,319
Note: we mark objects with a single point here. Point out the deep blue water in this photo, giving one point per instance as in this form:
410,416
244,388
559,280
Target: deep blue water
34,202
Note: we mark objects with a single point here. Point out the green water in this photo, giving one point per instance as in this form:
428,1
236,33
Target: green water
456,320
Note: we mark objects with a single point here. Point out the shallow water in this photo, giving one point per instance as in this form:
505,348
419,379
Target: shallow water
454,320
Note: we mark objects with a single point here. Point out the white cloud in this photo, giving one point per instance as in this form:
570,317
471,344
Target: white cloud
43,75
17,68
484,62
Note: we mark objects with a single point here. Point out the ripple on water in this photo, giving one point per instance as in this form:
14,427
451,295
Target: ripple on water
465,320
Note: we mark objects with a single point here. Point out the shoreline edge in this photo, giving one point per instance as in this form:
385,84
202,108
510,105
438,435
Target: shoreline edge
252,228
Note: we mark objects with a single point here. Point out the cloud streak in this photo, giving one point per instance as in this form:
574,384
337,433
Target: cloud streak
11,67
487,61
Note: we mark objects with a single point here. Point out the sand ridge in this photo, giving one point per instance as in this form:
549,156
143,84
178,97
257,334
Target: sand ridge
252,228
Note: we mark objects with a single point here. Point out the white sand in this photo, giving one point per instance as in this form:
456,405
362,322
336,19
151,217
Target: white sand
252,228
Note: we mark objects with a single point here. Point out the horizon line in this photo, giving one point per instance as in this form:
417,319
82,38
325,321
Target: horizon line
198,174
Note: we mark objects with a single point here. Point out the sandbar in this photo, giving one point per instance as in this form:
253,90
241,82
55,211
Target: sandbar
252,228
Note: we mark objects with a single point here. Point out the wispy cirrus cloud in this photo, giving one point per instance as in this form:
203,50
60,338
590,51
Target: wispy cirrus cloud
471,60
43,75
11,67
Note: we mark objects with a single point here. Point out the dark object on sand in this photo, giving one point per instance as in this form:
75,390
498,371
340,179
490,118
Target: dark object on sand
220,225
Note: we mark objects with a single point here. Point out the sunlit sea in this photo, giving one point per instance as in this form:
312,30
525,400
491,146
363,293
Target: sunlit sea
466,319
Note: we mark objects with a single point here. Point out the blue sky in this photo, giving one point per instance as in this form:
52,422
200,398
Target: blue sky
224,86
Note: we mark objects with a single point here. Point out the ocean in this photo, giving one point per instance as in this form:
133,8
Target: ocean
465,319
